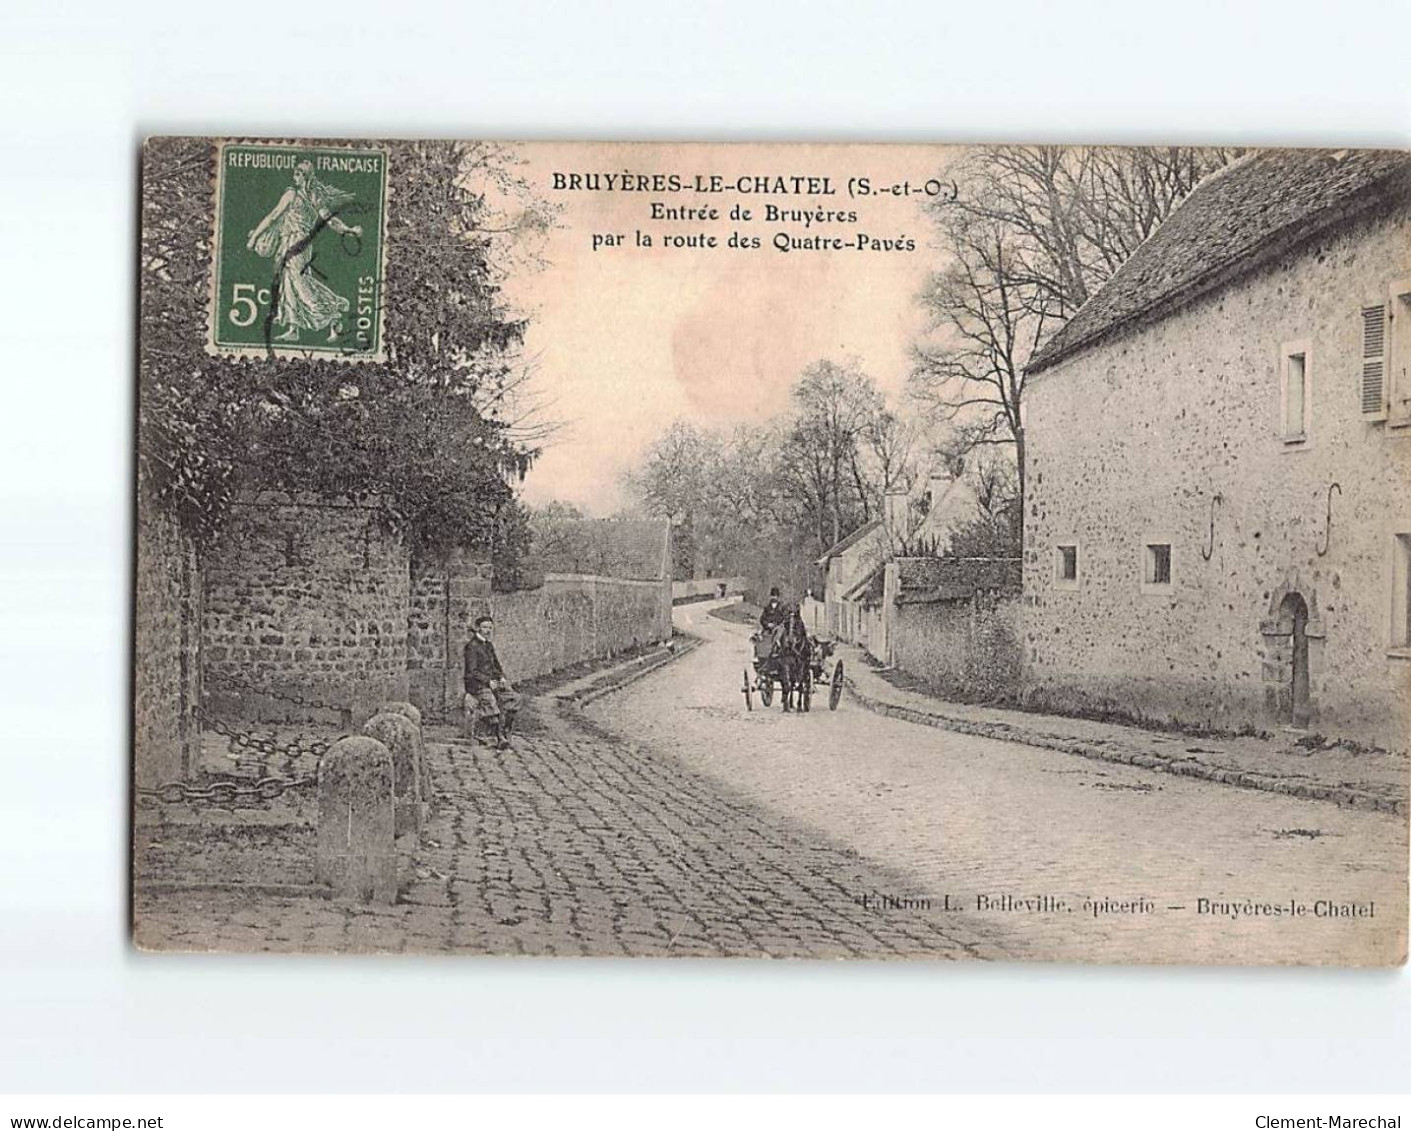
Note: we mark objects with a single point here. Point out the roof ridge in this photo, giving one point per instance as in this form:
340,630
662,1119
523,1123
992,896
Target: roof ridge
1308,194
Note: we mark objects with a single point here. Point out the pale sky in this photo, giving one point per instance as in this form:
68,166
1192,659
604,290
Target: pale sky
628,339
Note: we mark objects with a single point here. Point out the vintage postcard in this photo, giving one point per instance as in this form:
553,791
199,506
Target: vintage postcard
796,551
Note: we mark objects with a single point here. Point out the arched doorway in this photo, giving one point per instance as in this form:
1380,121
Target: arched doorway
1293,620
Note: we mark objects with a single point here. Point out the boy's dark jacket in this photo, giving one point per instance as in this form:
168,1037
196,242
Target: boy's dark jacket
481,665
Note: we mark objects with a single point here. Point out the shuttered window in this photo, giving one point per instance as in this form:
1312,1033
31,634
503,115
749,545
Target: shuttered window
1374,324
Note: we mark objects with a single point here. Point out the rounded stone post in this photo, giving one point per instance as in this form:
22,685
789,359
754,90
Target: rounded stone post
357,852
428,795
397,708
402,738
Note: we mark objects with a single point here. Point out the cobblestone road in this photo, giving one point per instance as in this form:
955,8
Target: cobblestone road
713,831
968,817
570,844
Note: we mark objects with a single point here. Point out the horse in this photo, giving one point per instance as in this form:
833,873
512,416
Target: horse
793,656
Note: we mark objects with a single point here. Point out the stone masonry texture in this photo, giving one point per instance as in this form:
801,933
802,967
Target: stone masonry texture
572,843
309,598
167,636
968,647
1129,441
568,619
669,820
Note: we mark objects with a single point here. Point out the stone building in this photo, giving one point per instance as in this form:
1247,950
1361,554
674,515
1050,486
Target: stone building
848,568
1218,462
854,608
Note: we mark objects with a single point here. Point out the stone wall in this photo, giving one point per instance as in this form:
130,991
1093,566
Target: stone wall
445,596
1130,441
304,599
308,610
704,588
574,617
569,619
166,646
966,648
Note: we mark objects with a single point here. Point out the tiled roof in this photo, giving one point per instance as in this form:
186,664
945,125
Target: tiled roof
953,579
851,540
1261,203
870,588
634,549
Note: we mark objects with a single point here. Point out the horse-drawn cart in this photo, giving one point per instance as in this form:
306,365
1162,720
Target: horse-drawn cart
795,672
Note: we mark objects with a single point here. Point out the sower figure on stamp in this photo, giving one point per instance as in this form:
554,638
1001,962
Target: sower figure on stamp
490,700
286,235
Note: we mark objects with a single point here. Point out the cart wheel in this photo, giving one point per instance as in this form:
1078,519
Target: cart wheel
835,691
749,702
766,690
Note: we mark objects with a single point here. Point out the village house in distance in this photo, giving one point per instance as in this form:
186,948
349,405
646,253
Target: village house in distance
854,569
1217,526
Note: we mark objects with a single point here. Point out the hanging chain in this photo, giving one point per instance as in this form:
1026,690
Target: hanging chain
242,684
238,740
226,791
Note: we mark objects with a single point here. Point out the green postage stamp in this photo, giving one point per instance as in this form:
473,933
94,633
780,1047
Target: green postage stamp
299,242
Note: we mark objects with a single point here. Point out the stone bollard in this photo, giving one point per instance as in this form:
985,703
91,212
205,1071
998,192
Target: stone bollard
356,845
428,795
393,707
402,738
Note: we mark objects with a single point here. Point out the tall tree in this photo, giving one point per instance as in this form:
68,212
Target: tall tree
820,458
1076,214
987,318
677,482
1030,235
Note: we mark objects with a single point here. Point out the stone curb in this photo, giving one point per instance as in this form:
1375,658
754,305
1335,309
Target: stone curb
631,673
1349,796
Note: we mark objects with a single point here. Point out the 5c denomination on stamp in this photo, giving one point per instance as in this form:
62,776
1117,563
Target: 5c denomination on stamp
299,251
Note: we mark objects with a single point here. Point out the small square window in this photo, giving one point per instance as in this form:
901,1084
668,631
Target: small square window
1065,565
1156,570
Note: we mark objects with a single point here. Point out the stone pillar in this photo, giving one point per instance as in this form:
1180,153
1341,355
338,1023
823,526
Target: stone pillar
356,852
402,738
468,576
407,710
404,709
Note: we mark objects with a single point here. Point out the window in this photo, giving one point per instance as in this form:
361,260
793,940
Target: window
1374,320
1401,592
1293,401
1065,566
1156,569
1294,392
1398,359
